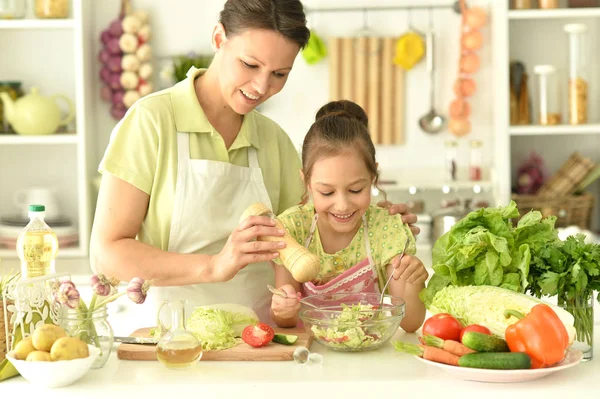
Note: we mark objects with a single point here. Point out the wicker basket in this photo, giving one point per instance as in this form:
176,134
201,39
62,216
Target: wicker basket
3,343
569,210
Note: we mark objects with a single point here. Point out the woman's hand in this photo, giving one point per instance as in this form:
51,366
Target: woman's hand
286,308
402,209
410,269
242,248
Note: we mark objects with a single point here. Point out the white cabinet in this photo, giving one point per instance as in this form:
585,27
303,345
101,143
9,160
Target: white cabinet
536,37
54,56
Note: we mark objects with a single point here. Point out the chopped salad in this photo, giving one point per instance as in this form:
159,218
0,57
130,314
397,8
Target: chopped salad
354,328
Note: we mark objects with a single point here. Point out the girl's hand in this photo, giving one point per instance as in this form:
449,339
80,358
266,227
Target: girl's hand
242,248
402,209
409,269
286,308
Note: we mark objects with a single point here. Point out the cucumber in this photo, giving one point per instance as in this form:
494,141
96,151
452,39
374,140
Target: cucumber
496,360
481,342
285,339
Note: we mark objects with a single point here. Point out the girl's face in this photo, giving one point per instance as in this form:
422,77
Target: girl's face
340,186
254,66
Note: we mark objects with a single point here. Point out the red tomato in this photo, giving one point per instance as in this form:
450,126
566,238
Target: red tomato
258,335
476,328
444,326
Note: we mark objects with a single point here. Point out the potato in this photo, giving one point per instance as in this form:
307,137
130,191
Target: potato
23,348
44,336
69,348
39,356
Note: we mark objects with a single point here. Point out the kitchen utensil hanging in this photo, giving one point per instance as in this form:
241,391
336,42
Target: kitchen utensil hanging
361,70
432,122
410,47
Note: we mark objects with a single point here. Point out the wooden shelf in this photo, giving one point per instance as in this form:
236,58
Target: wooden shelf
15,139
540,130
36,23
590,12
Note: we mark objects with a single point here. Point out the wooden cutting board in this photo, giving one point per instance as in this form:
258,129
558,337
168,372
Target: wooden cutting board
242,351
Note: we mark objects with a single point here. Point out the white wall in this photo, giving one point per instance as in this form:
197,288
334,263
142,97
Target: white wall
180,26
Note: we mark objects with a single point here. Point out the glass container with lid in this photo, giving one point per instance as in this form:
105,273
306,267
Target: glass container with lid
548,95
13,9
475,161
451,164
52,8
579,73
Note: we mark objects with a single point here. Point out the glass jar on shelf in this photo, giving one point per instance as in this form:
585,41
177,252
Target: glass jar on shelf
578,73
13,9
548,4
548,95
52,8
451,164
522,4
475,161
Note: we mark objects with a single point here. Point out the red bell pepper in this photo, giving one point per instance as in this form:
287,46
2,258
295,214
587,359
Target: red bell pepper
541,334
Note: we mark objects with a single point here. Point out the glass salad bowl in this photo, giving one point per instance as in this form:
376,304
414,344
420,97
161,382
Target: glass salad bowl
351,322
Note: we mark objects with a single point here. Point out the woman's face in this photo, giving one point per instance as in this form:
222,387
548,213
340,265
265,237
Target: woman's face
254,66
340,186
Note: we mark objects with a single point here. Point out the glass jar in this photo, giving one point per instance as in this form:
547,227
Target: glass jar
578,73
451,160
52,8
13,9
549,106
522,4
91,327
548,4
475,160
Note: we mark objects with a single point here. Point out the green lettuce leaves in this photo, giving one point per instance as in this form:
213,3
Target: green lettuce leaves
485,248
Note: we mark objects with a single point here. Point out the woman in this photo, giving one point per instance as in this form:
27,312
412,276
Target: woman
184,163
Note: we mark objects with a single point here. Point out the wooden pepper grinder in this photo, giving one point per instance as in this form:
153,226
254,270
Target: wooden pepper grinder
303,265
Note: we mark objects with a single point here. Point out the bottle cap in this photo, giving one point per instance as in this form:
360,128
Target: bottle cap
37,208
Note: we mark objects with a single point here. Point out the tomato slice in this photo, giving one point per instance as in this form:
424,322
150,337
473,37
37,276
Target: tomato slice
258,335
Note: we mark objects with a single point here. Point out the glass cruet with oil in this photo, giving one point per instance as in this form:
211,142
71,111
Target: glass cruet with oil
178,348
37,245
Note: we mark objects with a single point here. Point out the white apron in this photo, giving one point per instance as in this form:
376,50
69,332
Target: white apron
210,197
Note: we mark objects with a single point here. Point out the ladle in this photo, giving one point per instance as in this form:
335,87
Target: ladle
431,122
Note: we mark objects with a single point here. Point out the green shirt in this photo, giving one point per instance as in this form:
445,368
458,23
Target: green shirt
387,235
143,152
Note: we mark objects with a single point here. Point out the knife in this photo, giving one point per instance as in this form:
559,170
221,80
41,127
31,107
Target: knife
137,340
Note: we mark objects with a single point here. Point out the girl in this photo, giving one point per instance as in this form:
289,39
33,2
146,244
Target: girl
359,245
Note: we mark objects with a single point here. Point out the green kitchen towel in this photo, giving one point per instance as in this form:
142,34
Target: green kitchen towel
315,49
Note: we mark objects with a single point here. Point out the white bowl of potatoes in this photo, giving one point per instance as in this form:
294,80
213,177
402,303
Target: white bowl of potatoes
50,358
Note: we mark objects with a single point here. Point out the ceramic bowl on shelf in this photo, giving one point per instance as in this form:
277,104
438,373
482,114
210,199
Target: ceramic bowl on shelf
352,322
55,374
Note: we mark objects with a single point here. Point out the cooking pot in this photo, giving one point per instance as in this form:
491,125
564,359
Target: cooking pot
445,218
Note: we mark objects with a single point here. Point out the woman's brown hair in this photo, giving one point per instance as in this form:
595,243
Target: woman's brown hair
339,126
284,16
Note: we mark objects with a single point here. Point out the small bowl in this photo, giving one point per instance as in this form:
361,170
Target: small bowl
55,374
336,325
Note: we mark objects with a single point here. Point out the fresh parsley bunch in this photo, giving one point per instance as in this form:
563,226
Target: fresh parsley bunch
571,272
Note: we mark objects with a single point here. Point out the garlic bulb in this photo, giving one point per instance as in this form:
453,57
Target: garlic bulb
144,52
144,33
130,97
129,80
131,24
128,42
145,71
145,88
130,63
100,285
137,289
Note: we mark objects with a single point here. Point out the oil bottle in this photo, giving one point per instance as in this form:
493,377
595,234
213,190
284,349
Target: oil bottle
37,245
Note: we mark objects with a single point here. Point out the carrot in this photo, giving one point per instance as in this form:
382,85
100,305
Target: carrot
427,352
453,347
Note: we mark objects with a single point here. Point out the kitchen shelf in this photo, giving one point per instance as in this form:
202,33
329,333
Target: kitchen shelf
540,130
589,12
42,139
438,185
33,23
74,252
